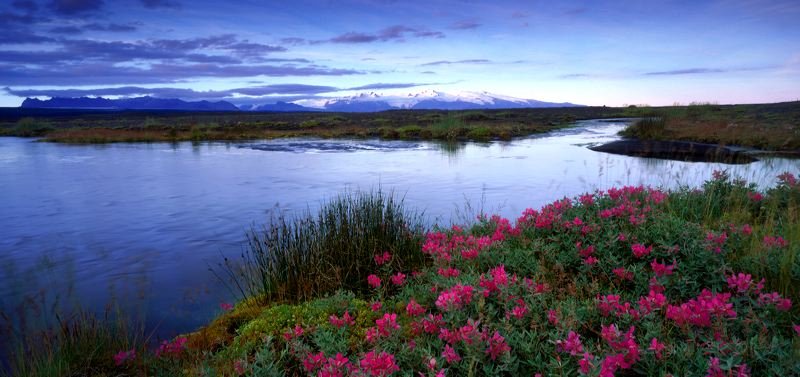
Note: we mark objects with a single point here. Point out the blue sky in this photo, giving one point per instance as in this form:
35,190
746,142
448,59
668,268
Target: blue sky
593,52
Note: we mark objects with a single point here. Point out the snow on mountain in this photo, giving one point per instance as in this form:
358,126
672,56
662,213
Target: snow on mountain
426,99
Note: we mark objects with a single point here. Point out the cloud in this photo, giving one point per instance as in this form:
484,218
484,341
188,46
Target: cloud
575,76
465,61
20,36
389,86
127,91
111,27
74,7
105,74
688,71
392,33
465,25
161,4
183,93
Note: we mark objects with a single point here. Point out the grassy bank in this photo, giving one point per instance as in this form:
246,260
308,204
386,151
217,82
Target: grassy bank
771,126
101,127
628,281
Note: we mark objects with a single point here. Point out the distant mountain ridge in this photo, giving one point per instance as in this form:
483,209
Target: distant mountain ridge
137,103
363,102
429,100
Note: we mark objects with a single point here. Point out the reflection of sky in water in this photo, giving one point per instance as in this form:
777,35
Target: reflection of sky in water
147,219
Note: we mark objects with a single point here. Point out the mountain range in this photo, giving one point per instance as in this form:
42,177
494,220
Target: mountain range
363,102
137,103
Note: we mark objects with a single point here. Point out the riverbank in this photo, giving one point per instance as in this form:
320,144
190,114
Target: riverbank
768,127
153,126
630,278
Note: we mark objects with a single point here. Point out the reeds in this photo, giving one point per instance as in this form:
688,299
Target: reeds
298,258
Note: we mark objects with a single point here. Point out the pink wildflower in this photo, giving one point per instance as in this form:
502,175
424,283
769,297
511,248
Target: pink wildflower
226,306
775,242
519,311
640,251
622,273
382,259
293,333
661,269
572,344
497,346
414,309
450,355
387,324
656,347
240,367
340,322
796,329
376,306
124,356
552,317
448,272
740,282
455,297
374,281
378,364
398,279
585,364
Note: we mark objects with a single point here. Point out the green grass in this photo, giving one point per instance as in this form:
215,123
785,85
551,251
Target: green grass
300,258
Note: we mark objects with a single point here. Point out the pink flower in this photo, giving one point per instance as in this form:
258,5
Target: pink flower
123,356
387,324
455,297
640,250
382,259
585,364
174,348
740,282
226,306
448,272
747,229
240,367
497,346
293,333
340,322
775,242
552,317
796,329
590,261
572,344
374,281
469,254
414,309
376,306
656,347
398,279
622,273
519,311
450,355
378,364
755,196
661,269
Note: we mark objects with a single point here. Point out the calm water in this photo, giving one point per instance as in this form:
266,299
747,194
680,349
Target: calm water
141,223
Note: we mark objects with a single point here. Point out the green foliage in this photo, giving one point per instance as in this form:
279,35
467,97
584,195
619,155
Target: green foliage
315,254
29,127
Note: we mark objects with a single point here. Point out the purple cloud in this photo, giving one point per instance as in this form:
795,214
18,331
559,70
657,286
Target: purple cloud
73,7
465,25
465,61
392,33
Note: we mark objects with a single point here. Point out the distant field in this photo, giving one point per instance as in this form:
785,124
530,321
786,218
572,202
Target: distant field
769,126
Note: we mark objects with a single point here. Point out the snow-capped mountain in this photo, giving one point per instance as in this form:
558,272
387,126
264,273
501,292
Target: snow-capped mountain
426,99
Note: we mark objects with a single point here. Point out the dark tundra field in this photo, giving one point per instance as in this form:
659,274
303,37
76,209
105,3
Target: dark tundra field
766,126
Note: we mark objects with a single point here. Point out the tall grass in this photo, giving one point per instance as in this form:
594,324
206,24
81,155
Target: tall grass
298,258
646,128
80,345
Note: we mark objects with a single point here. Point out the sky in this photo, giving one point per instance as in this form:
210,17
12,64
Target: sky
256,52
